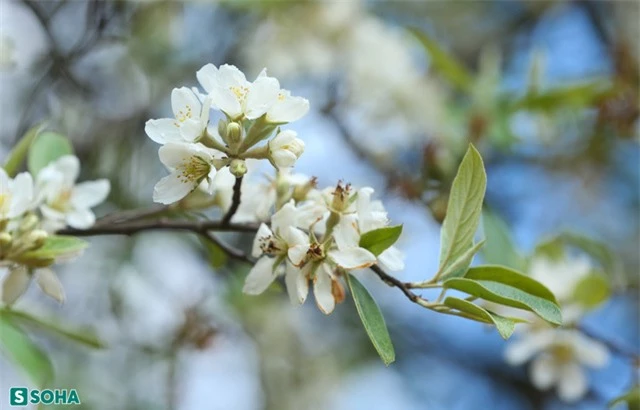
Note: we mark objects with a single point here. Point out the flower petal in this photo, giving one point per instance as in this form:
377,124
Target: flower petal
172,188
89,194
263,233
81,218
184,103
572,383
346,232
22,191
69,166
544,372
322,289
261,96
260,277
288,109
50,285
297,284
392,259
297,253
163,130
352,258
15,284
208,77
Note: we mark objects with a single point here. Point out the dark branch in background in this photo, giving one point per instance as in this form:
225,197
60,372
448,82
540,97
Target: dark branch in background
614,346
232,252
235,204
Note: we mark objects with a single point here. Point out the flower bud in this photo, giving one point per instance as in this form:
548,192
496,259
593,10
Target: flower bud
301,191
28,223
34,239
238,167
285,148
234,133
15,284
5,240
222,129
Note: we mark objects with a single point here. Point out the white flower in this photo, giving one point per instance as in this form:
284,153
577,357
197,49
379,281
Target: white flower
230,91
271,248
64,201
372,215
16,195
17,280
285,148
287,108
189,165
559,356
191,119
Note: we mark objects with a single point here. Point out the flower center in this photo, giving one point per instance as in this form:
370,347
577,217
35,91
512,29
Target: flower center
184,115
193,169
61,202
5,201
240,92
562,353
270,245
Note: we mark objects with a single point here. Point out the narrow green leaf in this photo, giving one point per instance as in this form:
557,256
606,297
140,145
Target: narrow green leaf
631,398
459,267
372,320
24,353
446,65
216,255
19,152
581,95
85,336
592,290
379,240
47,147
504,275
508,296
463,210
504,325
499,249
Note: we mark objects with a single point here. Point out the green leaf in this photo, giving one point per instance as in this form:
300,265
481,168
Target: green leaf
459,267
592,290
379,240
450,68
463,210
54,247
372,320
85,336
632,398
19,152
216,255
499,249
24,353
506,276
578,96
47,147
504,325
508,296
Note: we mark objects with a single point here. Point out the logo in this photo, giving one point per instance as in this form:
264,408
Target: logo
21,396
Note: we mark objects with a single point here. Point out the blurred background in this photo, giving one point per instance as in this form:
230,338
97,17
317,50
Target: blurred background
547,90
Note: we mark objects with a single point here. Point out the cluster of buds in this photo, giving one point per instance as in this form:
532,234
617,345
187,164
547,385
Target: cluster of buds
30,212
251,112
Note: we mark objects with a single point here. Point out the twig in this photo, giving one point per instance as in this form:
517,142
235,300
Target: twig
391,281
232,252
237,191
124,216
134,227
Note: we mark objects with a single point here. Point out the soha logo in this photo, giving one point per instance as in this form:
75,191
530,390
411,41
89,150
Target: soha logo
21,396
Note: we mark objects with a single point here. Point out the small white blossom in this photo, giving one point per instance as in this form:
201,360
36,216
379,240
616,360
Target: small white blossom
16,195
285,149
230,91
64,201
271,247
559,357
189,165
190,122
287,108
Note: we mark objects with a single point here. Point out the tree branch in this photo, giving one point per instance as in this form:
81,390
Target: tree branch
235,204
393,282
231,251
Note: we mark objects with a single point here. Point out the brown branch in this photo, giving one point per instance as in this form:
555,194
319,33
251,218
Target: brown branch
130,228
393,282
235,204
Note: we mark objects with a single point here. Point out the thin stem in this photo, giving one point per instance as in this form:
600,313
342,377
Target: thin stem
231,251
134,227
235,204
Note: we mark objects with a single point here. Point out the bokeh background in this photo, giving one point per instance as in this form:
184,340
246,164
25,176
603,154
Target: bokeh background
547,90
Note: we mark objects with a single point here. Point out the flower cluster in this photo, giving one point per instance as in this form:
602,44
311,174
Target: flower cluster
251,112
308,235
315,238
31,211
559,355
